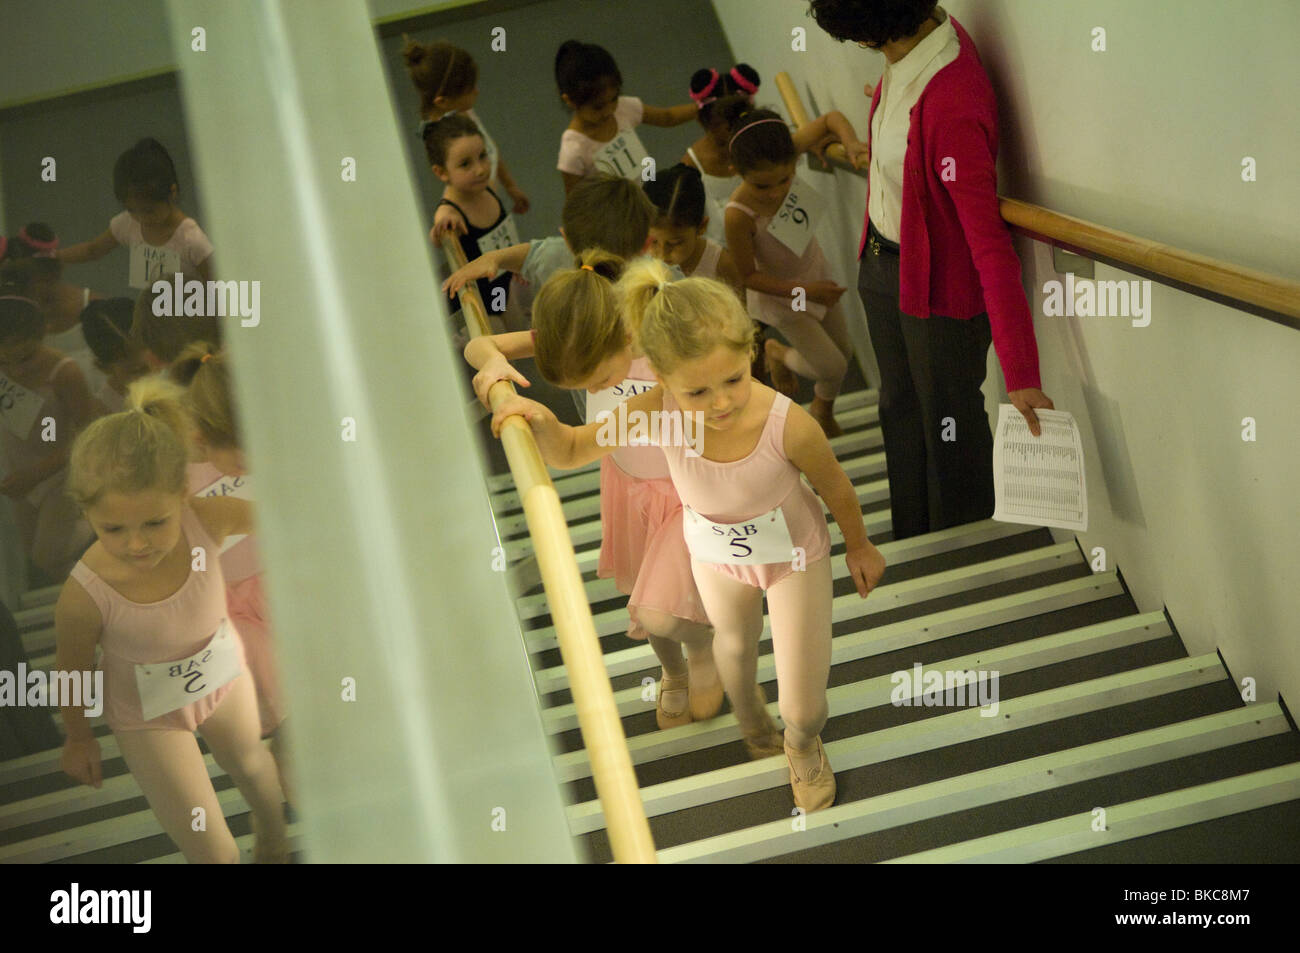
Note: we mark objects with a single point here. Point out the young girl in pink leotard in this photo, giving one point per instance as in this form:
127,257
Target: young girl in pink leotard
150,593
204,372
751,526
579,341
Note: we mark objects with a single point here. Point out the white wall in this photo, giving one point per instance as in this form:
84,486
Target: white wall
1147,137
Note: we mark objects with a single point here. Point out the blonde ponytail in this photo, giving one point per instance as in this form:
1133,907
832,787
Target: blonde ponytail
675,321
143,448
576,319
205,373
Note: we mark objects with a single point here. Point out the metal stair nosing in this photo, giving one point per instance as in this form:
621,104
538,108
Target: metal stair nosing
939,731
869,693
908,633
909,592
1150,815
986,787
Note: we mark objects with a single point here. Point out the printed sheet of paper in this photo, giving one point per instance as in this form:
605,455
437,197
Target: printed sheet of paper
1039,481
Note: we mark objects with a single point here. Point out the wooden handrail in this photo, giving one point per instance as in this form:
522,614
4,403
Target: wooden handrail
1257,292
598,719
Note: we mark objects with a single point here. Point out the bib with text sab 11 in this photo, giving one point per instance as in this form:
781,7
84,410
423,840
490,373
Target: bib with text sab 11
760,541
167,686
19,407
149,263
796,221
607,401
622,155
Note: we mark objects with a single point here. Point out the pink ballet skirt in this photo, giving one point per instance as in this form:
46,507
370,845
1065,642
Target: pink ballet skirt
247,608
643,547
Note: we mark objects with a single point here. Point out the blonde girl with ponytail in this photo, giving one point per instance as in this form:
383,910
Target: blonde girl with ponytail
151,595
579,342
751,526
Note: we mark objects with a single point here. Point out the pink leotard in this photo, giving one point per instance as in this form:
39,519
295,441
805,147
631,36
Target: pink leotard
744,489
772,257
174,628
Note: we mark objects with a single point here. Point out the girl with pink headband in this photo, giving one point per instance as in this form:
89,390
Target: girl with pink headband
774,246
712,91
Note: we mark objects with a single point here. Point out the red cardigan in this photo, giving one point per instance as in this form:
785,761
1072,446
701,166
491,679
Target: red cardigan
957,258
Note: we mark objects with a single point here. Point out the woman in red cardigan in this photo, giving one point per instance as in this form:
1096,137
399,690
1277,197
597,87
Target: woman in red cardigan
937,274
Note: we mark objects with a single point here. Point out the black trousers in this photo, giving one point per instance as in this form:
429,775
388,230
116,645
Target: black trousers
938,444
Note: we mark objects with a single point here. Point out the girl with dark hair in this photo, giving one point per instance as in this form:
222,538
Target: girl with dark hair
938,275
714,93
602,132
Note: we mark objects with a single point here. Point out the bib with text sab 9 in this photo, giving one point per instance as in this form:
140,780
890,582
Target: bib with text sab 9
622,155
19,407
167,686
796,221
606,401
760,541
150,263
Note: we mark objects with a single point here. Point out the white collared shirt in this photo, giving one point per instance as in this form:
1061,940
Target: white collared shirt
901,86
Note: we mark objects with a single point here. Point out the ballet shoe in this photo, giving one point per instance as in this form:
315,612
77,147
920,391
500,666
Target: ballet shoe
672,719
825,417
815,792
705,702
766,739
783,379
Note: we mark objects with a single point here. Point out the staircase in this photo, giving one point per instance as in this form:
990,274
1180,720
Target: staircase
1109,744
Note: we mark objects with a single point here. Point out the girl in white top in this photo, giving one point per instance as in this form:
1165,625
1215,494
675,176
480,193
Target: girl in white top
162,239
447,79
711,91
602,133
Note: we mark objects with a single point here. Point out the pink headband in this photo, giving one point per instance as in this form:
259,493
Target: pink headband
743,83
757,122
702,98
43,249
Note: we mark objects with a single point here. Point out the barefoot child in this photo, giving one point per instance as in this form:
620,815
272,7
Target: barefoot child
173,661
746,512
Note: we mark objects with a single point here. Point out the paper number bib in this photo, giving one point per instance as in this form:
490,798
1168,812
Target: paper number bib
238,487
794,223
19,407
764,539
149,263
167,686
622,155
503,236
607,401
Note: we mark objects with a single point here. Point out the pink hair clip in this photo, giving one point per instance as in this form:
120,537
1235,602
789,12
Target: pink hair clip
703,97
43,249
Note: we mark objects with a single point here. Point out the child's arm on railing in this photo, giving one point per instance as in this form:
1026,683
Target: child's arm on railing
566,447
810,138
491,354
740,243
486,266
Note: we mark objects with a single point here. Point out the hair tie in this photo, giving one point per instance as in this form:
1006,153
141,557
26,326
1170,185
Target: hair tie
44,249
757,122
743,83
702,98
588,268
205,358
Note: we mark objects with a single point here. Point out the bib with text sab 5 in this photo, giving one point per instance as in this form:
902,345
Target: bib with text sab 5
760,541
167,686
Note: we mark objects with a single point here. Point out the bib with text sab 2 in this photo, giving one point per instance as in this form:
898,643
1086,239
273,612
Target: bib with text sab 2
757,542
167,686
796,221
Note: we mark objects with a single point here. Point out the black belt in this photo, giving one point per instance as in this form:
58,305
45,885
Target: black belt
877,243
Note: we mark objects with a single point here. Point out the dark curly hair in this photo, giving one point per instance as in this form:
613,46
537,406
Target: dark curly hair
874,22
